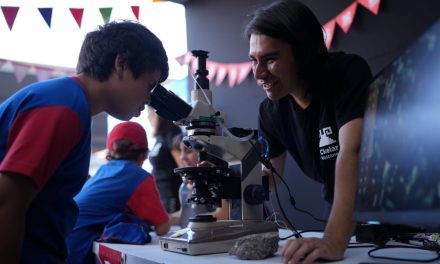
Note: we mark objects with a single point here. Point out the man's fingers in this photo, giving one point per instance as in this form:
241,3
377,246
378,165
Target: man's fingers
289,249
307,250
312,256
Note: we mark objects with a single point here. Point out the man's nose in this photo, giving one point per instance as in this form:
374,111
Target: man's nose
260,71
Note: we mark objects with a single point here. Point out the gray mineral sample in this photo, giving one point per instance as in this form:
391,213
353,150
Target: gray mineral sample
257,246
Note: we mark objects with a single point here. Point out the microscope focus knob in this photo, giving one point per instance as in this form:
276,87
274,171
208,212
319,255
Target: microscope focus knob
255,194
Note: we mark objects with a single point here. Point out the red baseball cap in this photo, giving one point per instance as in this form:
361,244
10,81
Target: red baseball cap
130,131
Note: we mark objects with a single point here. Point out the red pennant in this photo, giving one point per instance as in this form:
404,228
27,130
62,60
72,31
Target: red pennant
346,17
243,72
329,31
212,68
372,5
135,10
77,13
10,13
20,71
222,70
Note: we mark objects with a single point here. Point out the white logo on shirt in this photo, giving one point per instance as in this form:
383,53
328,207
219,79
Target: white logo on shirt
324,139
328,147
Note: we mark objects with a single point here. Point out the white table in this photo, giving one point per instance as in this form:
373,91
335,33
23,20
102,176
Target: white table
152,253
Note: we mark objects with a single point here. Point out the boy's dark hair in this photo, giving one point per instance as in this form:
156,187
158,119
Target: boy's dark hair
294,23
122,151
138,46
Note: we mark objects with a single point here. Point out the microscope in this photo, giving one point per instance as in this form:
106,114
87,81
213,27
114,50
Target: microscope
235,173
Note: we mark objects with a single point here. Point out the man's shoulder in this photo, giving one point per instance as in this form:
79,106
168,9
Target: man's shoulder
341,61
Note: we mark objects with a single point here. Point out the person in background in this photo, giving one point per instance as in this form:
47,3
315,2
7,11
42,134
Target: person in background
45,136
313,110
119,186
189,158
164,158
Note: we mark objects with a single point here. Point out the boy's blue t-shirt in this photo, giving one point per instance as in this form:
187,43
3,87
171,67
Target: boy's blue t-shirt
45,135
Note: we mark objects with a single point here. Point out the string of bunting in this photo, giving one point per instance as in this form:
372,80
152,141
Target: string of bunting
21,69
238,72
10,13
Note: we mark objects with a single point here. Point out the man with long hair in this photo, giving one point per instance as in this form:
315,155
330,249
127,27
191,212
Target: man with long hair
313,110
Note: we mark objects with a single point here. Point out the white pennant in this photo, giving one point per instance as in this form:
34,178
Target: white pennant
43,73
244,71
233,74
20,71
222,70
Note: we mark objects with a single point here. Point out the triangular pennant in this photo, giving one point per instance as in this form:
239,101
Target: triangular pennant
329,31
186,58
106,12
212,68
43,73
2,62
20,71
233,69
222,70
194,65
77,13
10,13
135,10
70,72
372,5
46,13
346,17
243,72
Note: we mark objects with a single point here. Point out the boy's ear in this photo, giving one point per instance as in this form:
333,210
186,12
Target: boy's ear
120,65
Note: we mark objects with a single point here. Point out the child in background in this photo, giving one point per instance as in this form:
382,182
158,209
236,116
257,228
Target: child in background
189,158
119,186
164,158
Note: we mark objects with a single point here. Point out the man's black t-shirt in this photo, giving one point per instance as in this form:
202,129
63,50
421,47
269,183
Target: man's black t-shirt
310,135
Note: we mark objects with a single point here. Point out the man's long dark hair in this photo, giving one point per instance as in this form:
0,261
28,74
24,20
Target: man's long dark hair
294,23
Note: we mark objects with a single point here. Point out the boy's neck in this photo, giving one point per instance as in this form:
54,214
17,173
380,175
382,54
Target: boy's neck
94,89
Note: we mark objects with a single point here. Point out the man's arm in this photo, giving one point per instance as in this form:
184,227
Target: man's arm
16,193
340,225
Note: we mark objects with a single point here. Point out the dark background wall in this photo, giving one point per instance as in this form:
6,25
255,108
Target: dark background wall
216,26
9,85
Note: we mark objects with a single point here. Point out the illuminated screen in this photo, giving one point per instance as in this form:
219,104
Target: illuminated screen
399,180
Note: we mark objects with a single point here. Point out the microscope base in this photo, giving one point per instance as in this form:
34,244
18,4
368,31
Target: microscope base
213,237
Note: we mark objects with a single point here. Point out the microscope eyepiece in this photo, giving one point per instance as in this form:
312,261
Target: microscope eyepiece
202,81
168,105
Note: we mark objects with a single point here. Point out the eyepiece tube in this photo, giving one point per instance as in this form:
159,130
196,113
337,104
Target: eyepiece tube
168,105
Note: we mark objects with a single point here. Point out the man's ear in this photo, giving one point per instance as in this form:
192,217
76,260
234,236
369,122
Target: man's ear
120,65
